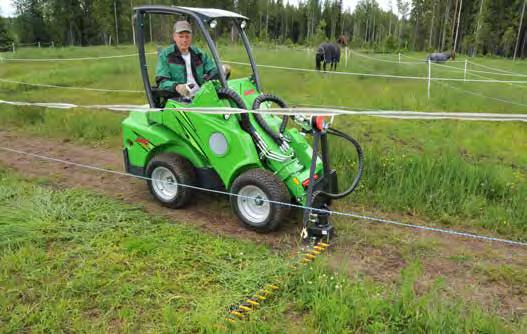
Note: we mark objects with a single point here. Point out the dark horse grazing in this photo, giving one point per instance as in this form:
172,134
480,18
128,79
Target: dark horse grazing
441,57
329,53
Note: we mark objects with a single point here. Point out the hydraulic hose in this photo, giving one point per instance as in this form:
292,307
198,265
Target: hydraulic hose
231,95
357,179
261,121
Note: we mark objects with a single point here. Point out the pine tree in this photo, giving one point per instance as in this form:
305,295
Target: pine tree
5,35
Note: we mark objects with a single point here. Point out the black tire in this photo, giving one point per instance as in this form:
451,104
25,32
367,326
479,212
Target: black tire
183,172
273,188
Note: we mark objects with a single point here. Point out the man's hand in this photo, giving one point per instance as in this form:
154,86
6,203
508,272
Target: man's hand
182,90
226,70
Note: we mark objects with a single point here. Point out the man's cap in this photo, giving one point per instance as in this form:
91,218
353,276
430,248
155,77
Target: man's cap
181,26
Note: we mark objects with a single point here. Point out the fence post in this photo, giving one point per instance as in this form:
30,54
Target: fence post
346,56
429,76
13,44
399,57
52,44
465,74
39,44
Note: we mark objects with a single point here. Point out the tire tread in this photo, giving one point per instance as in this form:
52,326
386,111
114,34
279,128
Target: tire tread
184,172
275,190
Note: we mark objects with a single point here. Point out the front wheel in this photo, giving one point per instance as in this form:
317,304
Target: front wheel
168,176
255,200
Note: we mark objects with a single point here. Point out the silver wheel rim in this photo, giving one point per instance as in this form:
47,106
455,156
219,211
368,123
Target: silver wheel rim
253,204
164,183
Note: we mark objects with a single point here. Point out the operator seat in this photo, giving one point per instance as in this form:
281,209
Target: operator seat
160,96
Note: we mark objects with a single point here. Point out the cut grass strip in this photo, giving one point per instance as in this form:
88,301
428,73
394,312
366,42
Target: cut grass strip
74,261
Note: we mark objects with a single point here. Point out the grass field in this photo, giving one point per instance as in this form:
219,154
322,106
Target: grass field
461,173
150,275
77,262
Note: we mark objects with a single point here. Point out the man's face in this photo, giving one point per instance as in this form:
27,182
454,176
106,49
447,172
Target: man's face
183,40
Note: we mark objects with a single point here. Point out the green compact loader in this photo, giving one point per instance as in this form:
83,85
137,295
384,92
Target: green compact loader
266,164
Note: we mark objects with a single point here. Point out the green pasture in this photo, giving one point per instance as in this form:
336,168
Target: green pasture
346,90
469,175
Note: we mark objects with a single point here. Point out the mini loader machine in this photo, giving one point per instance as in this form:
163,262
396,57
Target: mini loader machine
265,164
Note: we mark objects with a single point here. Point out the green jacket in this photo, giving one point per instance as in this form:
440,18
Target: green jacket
171,70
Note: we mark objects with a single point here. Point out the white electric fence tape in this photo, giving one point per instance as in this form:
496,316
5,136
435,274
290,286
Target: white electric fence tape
379,75
8,59
293,111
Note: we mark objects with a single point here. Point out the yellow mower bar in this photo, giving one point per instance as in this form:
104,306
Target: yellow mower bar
236,313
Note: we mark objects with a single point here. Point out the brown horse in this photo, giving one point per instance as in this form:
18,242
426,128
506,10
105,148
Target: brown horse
343,40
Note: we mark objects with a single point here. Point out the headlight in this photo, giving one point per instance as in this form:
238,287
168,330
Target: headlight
243,24
218,144
213,24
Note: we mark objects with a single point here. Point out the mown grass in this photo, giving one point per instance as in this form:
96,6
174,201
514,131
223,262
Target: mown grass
457,173
77,262
73,261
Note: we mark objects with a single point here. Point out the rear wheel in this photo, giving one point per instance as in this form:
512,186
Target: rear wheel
255,193
168,173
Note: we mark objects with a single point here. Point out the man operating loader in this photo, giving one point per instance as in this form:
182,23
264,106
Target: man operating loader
181,68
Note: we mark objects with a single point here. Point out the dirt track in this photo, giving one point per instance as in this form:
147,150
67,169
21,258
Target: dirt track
212,213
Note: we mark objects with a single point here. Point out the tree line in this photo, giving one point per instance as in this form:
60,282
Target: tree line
496,27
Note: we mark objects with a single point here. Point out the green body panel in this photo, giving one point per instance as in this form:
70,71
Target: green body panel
246,89
197,129
188,134
160,138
